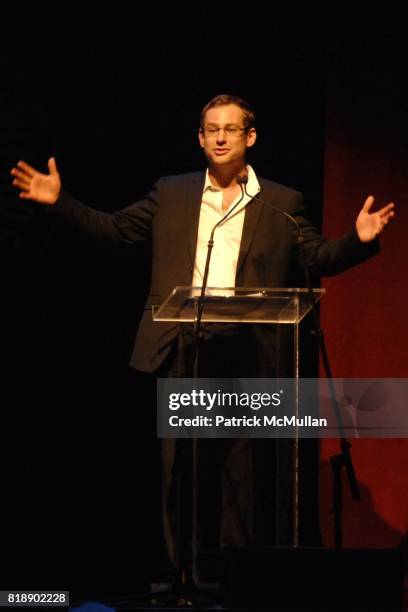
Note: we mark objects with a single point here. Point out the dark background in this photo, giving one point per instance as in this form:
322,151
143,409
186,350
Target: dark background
117,101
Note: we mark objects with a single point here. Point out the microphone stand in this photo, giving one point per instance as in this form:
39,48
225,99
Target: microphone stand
343,459
186,586
195,369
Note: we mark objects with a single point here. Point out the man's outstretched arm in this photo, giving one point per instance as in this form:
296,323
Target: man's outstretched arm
327,257
128,225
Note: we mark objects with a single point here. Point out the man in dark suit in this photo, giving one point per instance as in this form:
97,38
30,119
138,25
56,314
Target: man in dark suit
179,211
255,247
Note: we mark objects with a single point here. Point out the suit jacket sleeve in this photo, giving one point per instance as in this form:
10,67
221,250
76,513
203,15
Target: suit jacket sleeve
127,226
327,257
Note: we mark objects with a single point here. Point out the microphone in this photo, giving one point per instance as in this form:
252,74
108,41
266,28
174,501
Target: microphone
242,180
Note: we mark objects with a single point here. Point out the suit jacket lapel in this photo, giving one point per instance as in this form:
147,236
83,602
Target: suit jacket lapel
252,215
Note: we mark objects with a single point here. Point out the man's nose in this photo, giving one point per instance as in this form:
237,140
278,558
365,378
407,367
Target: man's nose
221,135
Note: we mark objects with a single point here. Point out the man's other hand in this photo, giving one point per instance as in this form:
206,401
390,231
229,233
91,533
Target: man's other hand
370,225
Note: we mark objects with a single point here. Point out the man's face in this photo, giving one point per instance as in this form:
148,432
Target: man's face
226,146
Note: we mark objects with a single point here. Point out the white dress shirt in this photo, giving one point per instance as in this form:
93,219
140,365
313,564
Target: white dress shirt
227,236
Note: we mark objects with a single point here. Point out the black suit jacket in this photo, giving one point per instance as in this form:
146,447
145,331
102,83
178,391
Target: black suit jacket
169,214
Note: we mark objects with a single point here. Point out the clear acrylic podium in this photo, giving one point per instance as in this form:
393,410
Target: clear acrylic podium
284,309
237,305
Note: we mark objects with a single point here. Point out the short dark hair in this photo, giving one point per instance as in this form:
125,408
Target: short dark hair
224,100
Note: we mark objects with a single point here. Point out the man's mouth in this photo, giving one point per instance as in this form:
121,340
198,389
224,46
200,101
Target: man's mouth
220,151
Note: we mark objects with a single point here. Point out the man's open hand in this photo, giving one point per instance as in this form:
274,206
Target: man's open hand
34,185
370,225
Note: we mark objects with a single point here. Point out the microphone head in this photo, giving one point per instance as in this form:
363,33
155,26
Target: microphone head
242,180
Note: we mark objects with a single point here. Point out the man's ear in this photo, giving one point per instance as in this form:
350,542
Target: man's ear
201,137
251,137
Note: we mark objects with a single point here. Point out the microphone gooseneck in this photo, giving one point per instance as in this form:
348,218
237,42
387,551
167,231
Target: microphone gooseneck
241,180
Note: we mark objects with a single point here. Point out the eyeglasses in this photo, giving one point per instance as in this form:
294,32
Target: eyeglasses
230,130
